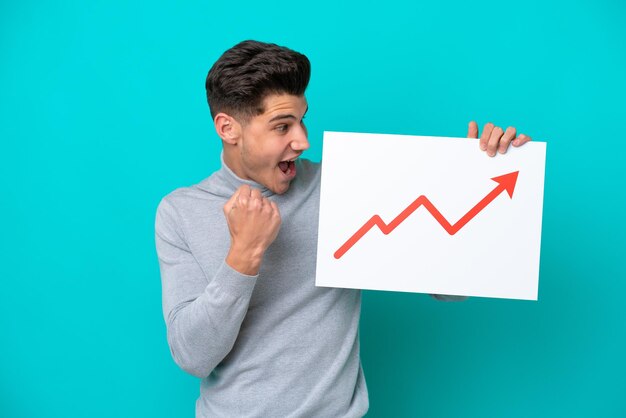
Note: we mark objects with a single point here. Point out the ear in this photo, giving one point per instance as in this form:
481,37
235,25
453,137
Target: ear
227,128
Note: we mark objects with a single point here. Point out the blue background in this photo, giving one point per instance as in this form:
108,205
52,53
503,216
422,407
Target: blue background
103,112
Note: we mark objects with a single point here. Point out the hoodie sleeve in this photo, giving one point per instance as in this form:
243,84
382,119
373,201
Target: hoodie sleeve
202,320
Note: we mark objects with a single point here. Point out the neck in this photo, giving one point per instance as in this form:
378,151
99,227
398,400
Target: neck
232,162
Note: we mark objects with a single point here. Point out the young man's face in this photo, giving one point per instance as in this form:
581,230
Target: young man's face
270,142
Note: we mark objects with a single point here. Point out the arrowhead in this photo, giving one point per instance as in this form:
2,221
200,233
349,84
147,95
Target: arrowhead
507,182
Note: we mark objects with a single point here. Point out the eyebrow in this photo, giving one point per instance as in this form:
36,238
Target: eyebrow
278,117
286,116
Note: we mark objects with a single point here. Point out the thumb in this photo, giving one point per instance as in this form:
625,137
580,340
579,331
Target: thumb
228,206
472,130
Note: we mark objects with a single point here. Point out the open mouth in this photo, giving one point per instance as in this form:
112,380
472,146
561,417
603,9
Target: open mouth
288,167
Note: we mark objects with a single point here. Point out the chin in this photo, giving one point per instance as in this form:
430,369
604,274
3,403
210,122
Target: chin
280,190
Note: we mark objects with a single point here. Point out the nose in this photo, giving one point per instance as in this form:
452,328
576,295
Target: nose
300,140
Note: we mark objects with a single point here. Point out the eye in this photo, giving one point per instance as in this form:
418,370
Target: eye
282,128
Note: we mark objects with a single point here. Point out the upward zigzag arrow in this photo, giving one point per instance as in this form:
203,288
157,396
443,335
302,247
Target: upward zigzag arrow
505,182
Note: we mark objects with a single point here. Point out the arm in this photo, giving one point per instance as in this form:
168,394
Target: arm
202,320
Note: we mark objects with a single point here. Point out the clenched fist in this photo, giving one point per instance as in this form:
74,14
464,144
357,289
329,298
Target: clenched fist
253,222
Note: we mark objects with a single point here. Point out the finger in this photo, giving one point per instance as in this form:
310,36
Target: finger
243,199
244,190
472,130
255,193
484,138
230,203
275,211
274,207
494,140
508,136
255,203
521,140
267,205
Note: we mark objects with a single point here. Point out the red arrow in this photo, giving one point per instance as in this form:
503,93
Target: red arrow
505,182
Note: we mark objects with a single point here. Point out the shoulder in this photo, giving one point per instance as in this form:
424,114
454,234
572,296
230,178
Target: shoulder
309,170
187,203
308,164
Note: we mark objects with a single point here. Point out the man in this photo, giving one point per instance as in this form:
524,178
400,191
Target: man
237,255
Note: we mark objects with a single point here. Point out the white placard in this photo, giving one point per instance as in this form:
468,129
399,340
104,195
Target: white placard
452,226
